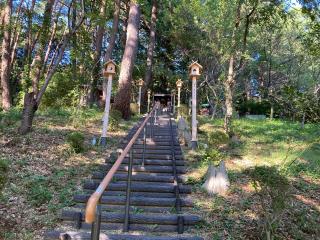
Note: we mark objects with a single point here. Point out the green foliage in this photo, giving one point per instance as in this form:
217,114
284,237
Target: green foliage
4,167
10,117
217,137
184,111
134,108
212,156
114,119
76,141
274,195
80,116
39,192
253,107
63,91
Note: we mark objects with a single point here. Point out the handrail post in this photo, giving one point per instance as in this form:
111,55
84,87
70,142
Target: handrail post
144,145
155,116
95,229
127,209
149,124
152,123
180,219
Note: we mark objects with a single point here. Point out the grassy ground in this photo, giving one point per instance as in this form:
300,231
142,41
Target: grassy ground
44,172
237,213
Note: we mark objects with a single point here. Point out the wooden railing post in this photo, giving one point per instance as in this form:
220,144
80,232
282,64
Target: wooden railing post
95,229
127,209
144,145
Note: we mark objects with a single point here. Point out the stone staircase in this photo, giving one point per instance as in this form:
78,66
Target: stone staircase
154,193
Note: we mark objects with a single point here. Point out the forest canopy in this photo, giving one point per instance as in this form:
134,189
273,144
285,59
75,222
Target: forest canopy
257,56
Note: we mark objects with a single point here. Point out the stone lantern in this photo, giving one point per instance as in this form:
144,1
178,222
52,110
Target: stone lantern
149,96
140,84
173,93
194,72
109,71
179,86
195,69
109,68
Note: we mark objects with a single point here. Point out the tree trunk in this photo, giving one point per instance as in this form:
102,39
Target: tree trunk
38,60
74,45
112,42
228,87
29,108
123,36
32,100
230,81
122,99
303,119
6,58
152,41
95,73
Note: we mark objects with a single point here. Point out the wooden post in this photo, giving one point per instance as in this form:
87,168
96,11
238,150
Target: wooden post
179,85
139,101
179,89
195,69
149,95
173,101
194,113
109,71
140,84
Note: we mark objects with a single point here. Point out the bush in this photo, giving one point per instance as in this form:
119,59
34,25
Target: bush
183,110
114,119
10,117
134,108
76,141
217,138
273,190
253,107
62,91
38,193
212,157
4,167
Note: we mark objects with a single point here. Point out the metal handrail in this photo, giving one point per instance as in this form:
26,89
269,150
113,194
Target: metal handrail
90,214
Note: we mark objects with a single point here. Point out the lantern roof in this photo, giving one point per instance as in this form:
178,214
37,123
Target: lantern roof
195,63
108,62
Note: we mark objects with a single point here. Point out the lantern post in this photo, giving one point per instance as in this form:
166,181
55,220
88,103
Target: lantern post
195,69
173,101
108,72
140,84
179,85
149,95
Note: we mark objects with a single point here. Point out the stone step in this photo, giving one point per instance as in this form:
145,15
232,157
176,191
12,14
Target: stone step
137,193
146,219
153,146
150,169
136,201
135,209
156,162
72,235
157,142
148,228
145,177
156,156
157,151
139,187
